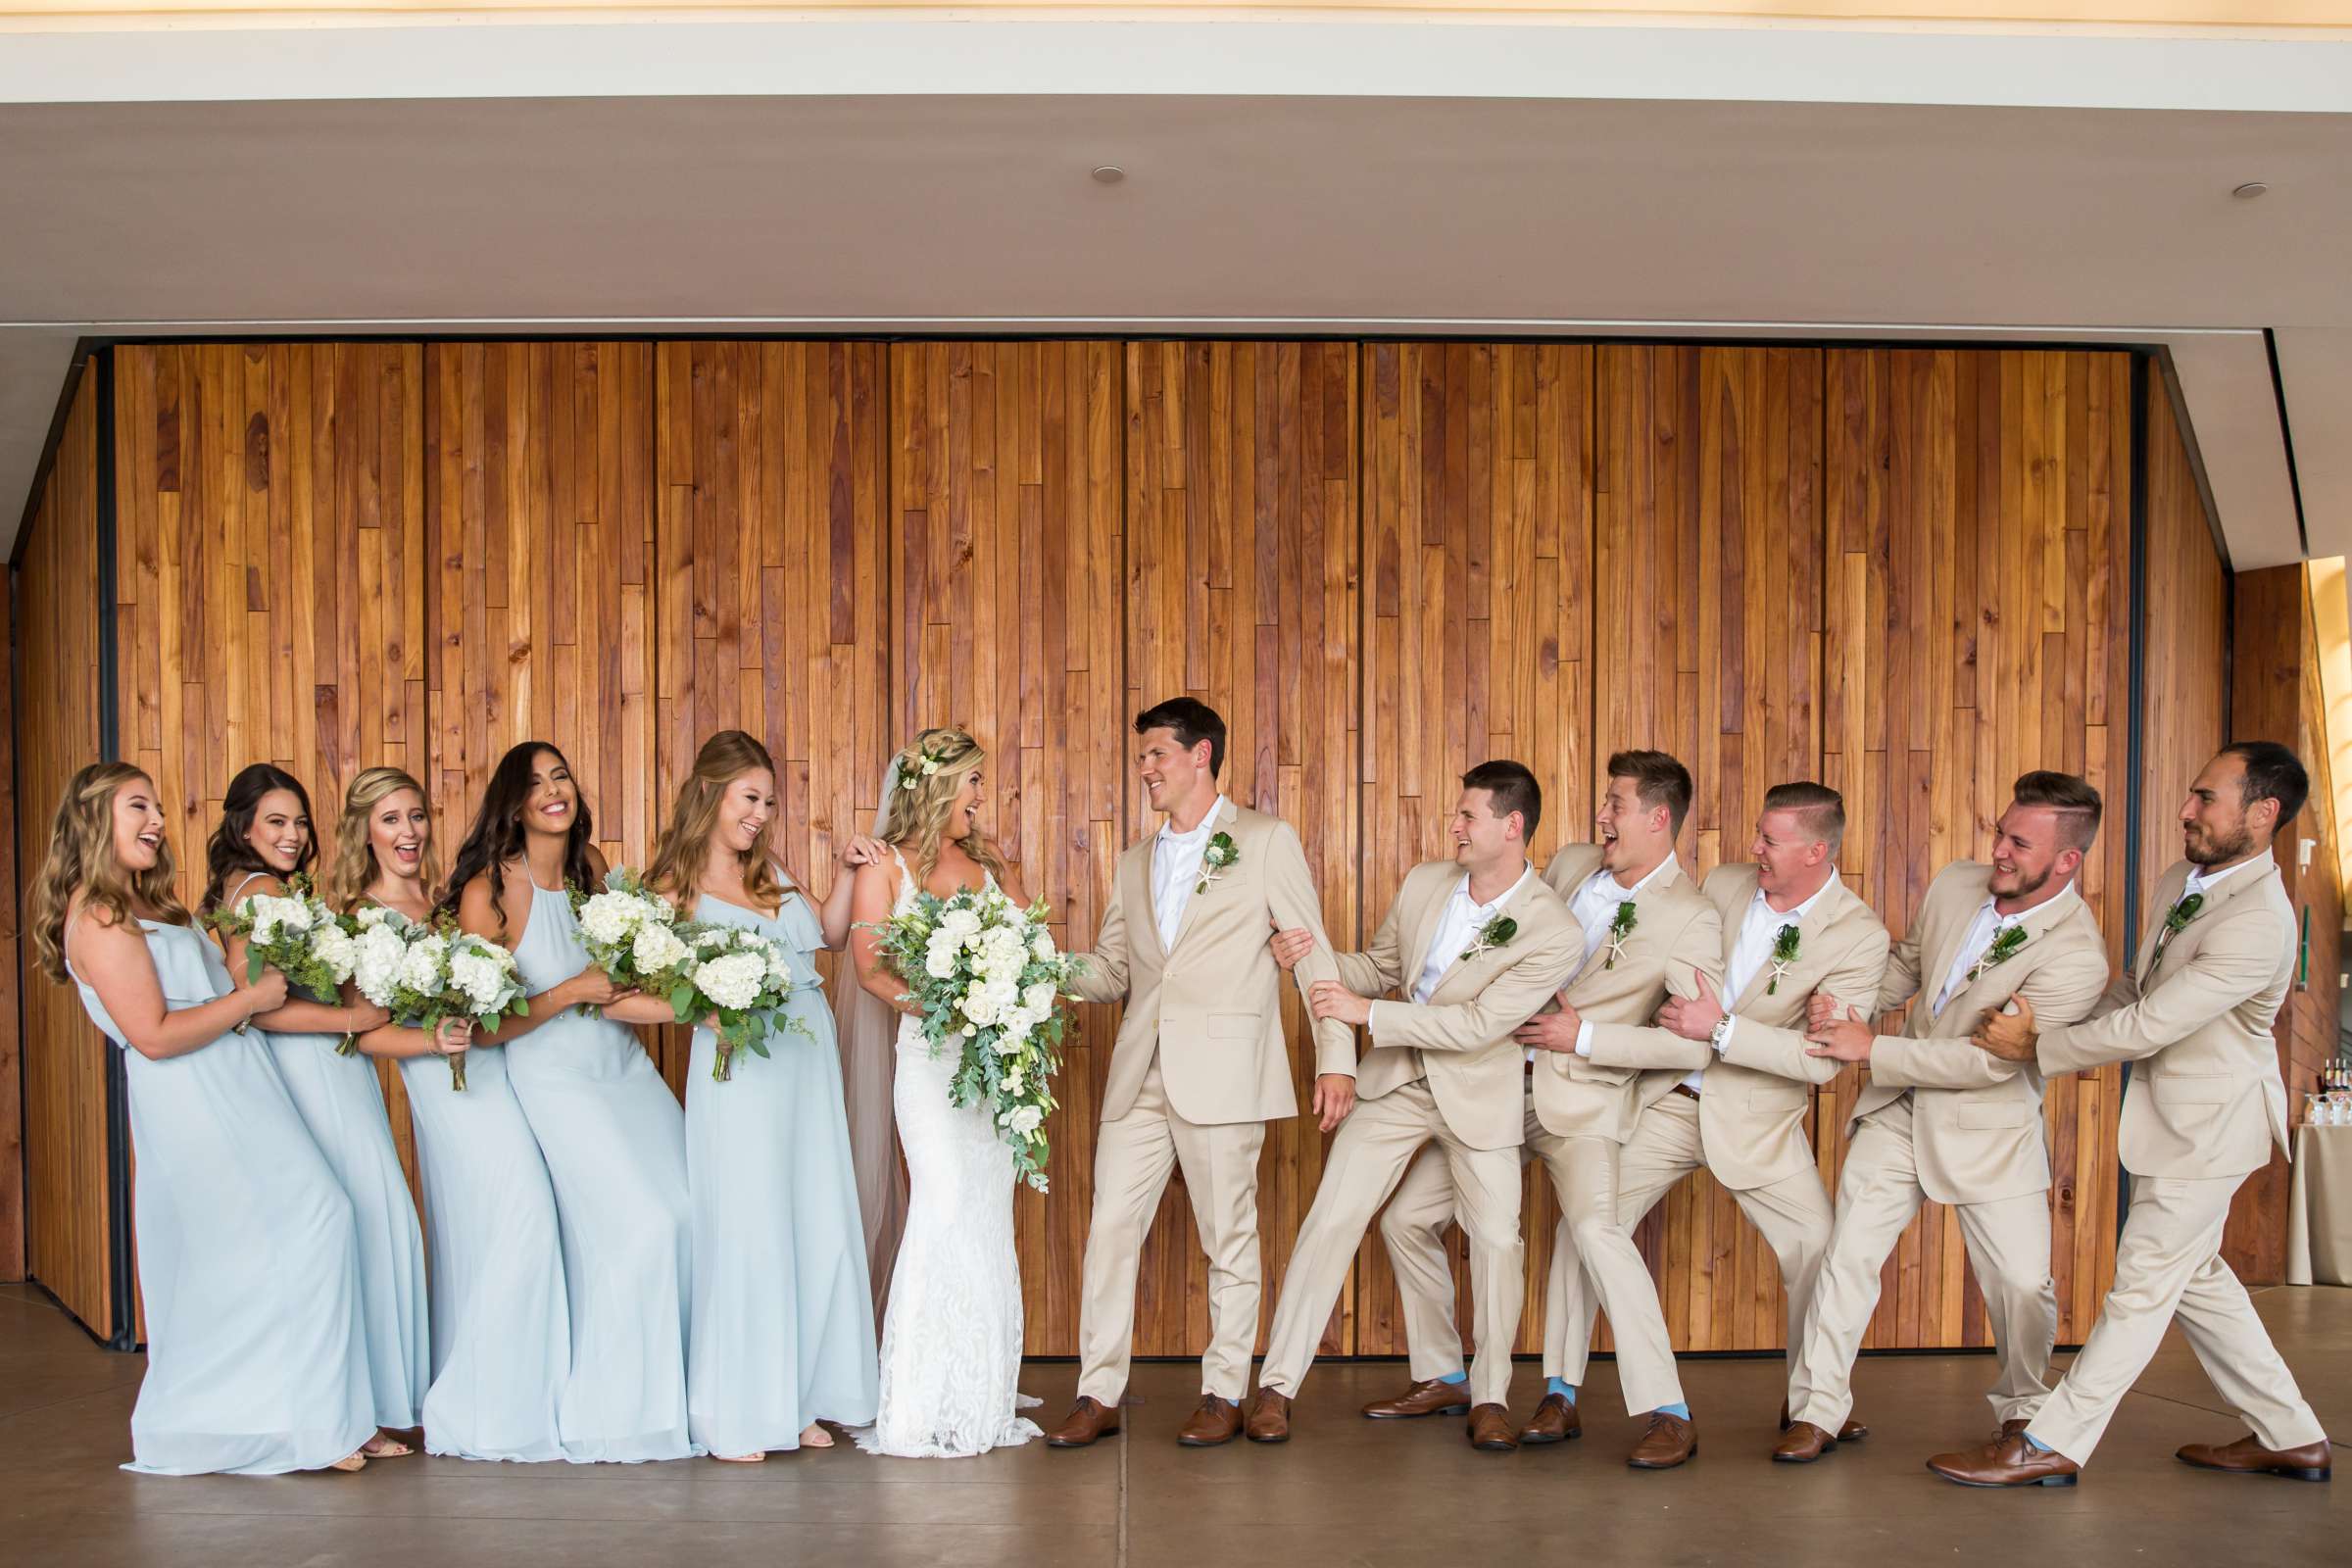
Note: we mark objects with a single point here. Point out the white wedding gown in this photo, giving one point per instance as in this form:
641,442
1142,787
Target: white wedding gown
952,1333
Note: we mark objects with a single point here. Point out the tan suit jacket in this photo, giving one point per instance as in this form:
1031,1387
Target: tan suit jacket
1211,1007
1677,937
1460,1039
1752,1116
2206,1100
1976,1120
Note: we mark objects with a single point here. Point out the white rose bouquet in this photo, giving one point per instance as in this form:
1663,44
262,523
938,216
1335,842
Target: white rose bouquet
742,978
630,932
422,974
989,982
296,935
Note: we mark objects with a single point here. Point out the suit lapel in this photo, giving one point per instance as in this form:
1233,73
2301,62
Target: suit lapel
1513,907
1668,875
2230,887
1221,821
2038,924
1810,926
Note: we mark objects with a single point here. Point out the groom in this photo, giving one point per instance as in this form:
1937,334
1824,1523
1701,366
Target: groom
1201,1065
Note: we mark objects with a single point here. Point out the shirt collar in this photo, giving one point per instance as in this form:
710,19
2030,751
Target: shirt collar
1792,916
1201,829
1606,880
1462,891
2199,879
2001,921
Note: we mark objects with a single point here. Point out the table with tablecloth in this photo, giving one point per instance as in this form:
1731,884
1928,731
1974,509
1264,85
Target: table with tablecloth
2318,1207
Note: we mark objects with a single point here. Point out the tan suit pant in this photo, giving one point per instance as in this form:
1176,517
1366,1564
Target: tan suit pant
1793,1214
1133,1158
1585,1174
2008,1244
2168,1269
1369,1156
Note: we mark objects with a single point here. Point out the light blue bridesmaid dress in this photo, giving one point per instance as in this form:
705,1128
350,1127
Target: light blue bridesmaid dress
615,1146
783,1316
502,1333
342,1103
257,1354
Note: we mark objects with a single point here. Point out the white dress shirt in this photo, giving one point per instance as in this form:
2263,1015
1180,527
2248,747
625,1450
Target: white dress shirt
1596,909
1983,931
1176,871
1458,924
1759,934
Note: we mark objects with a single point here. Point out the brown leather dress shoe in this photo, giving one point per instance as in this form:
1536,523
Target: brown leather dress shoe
1490,1430
1088,1420
1803,1444
1848,1431
1669,1441
1269,1419
2013,1429
1555,1421
2314,1461
1434,1398
1217,1420
2009,1461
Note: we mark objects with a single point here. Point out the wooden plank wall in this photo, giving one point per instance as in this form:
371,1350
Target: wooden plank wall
11,981
67,1246
1903,572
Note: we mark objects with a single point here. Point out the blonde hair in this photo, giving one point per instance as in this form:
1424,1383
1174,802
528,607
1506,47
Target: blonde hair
931,771
353,869
82,861
684,847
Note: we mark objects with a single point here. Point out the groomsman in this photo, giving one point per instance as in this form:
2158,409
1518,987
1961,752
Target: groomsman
1476,943
2200,1115
1201,1065
1939,1119
1647,934
1790,930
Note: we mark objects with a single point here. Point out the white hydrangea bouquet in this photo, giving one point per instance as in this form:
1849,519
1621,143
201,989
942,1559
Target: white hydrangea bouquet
298,936
630,932
989,982
740,977
422,974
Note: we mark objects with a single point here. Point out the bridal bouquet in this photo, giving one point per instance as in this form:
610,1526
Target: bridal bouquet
630,932
989,982
296,935
422,974
738,976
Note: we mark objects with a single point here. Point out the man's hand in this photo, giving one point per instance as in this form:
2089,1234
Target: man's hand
1845,1038
1821,1007
1288,946
2009,1036
1335,1098
1692,1017
1328,998
1551,1031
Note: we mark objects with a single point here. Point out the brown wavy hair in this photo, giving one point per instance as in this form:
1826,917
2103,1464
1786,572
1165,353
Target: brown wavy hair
353,867
684,846
82,861
917,818
231,853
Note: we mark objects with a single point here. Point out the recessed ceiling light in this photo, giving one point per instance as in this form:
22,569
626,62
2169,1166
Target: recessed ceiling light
1109,174
2249,190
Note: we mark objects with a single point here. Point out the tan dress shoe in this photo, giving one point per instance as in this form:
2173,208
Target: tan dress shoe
2008,1461
1803,1444
1490,1430
1088,1420
1434,1398
1217,1420
1669,1441
2013,1429
1848,1431
1555,1421
2314,1461
1269,1418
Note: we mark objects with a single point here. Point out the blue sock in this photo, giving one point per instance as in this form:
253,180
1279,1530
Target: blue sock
1566,1391
1677,1409
1455,1377
2035,1443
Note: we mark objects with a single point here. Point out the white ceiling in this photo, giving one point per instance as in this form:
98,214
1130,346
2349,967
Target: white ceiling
415,178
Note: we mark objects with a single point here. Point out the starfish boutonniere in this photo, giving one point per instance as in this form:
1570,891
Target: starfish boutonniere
2004,948
1784,954
1495,933
1216,859
1621,927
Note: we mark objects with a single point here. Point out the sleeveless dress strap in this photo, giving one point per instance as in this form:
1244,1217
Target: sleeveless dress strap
243,883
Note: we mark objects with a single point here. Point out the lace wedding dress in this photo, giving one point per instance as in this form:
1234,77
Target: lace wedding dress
952,1333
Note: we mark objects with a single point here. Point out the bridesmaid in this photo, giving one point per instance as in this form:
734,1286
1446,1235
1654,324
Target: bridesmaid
264,839
257,1354
783,1327
612,1131
501,1337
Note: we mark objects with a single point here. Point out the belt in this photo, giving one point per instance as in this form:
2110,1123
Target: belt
1685,1089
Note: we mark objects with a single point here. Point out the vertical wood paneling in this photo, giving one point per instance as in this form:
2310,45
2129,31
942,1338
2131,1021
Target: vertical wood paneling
1005,535
65,1058
11,1054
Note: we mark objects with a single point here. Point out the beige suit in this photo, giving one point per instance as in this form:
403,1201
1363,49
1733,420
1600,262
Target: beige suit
2203,1107
1747,1127
1578,1116
1200,1067
1445,1072
1942,1119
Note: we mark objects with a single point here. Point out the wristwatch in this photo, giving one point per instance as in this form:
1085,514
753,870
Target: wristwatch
1720,1033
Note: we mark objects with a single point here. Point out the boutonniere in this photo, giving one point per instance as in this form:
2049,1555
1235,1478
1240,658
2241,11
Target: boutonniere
1784,954
1218,857
2004,948
1621,927
1495,933
2176,921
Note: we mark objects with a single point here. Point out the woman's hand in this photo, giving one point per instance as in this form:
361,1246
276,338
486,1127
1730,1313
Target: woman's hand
267,994
592,988
862,850
453,1037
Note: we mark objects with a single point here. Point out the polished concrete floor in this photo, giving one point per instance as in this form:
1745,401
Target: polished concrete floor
1343,1491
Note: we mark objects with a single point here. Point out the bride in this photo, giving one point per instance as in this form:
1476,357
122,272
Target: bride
952,1333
